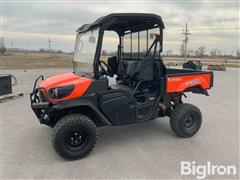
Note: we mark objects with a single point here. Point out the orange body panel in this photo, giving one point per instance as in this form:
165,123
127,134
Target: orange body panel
81,84
180,83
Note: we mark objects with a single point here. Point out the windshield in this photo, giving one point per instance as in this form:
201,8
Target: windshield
84,53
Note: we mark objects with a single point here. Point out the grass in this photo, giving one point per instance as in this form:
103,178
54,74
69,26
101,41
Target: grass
54,60
35,61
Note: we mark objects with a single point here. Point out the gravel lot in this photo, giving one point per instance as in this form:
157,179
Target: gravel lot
146,150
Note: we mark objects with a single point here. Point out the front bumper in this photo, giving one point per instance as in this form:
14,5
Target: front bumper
39,103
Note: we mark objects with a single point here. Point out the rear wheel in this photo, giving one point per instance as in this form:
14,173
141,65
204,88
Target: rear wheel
75,136
185,120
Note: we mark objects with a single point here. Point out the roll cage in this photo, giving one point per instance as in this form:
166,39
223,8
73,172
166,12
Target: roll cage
123,24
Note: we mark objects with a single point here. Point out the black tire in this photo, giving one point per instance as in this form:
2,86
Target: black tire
185,120
75,136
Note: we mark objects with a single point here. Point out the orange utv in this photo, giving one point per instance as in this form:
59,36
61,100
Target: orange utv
77,103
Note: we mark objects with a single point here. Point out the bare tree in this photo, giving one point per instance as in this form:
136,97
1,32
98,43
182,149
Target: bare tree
202,50
213,52
169,53
191,52
238,53
2,50
219,52
2,46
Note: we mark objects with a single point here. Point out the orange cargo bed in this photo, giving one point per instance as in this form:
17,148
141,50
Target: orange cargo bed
180,80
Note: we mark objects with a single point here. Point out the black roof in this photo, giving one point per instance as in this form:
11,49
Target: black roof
121,22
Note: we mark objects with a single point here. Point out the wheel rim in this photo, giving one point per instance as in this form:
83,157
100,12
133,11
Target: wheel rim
76,139
189,121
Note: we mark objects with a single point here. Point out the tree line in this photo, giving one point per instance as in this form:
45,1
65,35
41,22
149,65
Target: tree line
4,50
199,52
202,52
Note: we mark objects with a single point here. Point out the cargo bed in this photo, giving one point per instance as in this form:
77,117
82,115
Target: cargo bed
183,80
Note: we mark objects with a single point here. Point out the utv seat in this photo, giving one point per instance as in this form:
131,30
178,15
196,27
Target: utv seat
136,69
128,68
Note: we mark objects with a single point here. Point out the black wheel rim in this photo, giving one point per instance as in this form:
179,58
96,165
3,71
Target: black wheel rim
189,121
76,139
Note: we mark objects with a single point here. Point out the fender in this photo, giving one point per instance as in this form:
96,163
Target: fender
85,101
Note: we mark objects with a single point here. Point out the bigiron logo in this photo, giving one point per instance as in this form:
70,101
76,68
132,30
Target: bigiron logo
201,171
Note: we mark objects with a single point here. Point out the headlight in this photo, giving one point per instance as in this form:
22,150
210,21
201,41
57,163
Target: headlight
60,92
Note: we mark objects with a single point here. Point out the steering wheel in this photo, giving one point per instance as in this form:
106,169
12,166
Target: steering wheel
107,71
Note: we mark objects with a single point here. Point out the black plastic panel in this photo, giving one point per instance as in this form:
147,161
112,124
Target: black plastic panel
97,86
118,108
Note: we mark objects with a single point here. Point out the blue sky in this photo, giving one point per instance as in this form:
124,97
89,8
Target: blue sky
28,24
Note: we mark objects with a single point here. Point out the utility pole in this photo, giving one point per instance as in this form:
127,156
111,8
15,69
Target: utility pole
2,46
186,33
49,44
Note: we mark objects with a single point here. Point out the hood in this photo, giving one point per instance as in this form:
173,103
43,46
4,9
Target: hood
81,84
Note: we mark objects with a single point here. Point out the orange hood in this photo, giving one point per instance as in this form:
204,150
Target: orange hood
81,84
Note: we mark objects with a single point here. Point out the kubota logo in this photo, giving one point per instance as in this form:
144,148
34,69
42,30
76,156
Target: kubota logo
174,79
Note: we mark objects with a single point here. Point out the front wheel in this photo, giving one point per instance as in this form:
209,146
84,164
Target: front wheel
75,136
185,120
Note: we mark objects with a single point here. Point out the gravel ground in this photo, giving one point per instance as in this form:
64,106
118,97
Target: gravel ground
146,150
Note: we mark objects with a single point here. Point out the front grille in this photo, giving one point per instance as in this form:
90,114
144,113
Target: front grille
42,96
